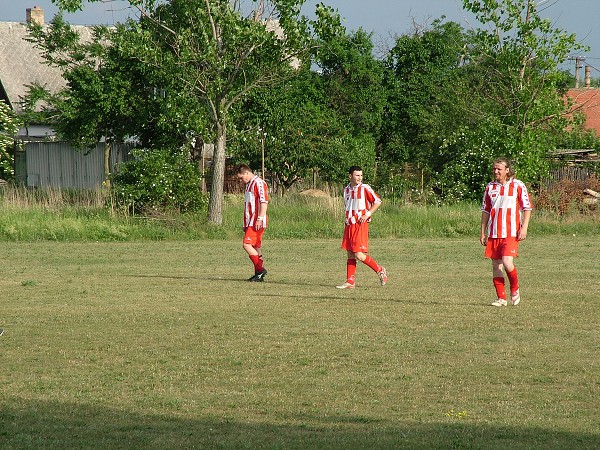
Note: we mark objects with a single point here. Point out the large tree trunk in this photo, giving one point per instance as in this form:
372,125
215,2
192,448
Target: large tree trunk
215,204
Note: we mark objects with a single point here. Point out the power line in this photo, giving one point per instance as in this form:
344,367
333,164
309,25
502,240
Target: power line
595,68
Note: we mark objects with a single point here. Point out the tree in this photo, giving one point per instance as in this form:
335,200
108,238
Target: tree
219,55
95,103
353,81
518,56
321,120
110,95
457,99
101,87
427,97
301,133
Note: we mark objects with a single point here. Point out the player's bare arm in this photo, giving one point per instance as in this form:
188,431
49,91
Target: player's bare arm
262,212
485,217
523,230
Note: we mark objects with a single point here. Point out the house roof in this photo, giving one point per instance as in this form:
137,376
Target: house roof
587,102
21,64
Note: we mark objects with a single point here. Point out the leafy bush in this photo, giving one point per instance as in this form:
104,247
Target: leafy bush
9,125
468,155
158,179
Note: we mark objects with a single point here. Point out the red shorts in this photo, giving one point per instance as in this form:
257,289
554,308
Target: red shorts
356,237
496,248
253,237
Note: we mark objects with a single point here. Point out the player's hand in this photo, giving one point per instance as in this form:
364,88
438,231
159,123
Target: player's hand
364,217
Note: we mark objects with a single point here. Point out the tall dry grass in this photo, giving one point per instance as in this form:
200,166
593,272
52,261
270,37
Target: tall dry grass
50,198
63,214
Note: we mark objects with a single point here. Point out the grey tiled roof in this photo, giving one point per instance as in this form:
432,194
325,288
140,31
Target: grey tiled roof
21,64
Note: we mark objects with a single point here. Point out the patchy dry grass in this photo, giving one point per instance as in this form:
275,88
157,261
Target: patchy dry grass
163,345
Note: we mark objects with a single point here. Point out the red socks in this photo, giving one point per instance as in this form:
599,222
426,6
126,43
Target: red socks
350,270
371,263
258,263
499,285
513,279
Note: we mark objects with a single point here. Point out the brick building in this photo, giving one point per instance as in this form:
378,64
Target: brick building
587,102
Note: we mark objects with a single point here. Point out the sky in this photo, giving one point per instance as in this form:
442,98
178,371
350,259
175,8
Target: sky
385,18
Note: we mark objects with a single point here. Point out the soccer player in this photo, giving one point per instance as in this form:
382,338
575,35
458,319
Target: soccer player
506,210
361,202
256,200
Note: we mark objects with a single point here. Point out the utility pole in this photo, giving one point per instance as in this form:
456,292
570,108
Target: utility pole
578,60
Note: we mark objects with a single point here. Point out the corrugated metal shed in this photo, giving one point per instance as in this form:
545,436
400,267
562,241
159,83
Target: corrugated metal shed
57,164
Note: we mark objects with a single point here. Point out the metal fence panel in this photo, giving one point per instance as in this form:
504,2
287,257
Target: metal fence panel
58,164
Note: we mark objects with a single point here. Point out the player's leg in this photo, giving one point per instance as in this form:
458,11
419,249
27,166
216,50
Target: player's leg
498,279
350,271
252,246
350,267
254,258
347,243
365,258
513,278
260,270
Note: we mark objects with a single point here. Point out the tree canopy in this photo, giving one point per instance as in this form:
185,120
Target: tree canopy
210,51
257,77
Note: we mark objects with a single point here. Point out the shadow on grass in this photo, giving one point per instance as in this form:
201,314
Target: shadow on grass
221,278
336,294
26,424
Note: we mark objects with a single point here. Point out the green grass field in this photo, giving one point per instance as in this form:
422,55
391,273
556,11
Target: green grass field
163,345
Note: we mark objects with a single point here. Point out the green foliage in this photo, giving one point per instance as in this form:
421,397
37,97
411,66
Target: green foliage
353,81
467,156
578,138
158,179
174,75
426,119
301,132
9,125
218,55
426,98
469,153
515,88
519,54
110,93
292,123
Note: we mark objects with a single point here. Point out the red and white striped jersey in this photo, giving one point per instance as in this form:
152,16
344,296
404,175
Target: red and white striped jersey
358,201
256,193
505,204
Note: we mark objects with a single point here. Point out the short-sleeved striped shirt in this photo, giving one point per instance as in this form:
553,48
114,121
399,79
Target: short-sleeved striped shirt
256,193
505,204
358,201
